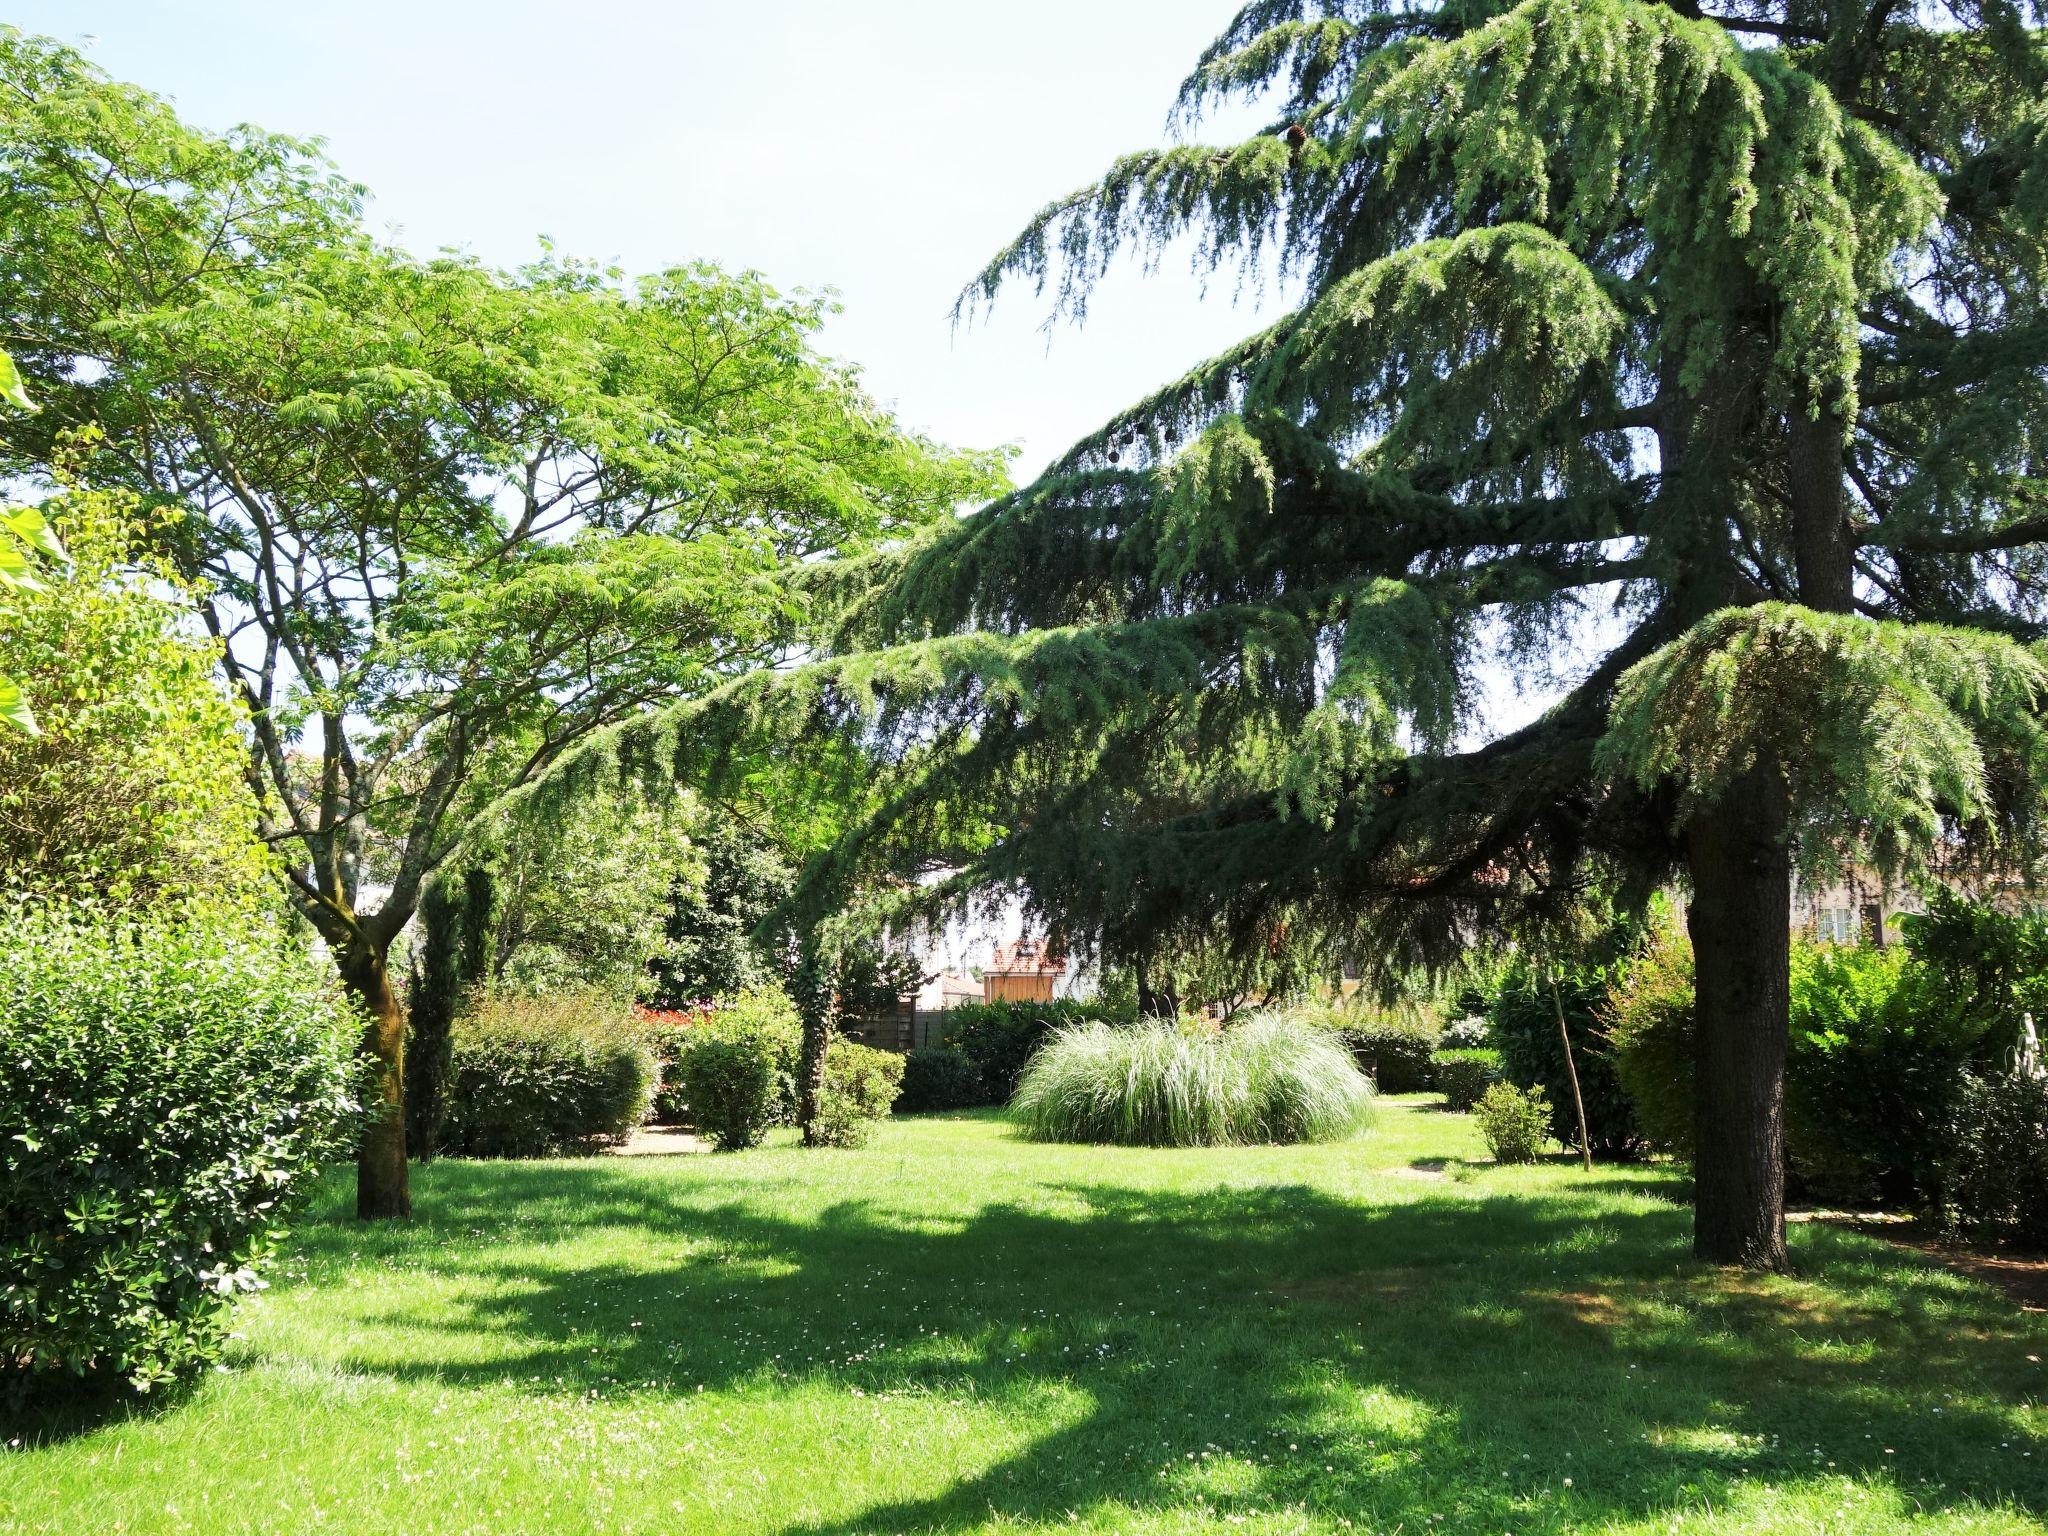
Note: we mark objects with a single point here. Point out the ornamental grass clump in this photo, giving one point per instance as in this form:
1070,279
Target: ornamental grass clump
1193,1084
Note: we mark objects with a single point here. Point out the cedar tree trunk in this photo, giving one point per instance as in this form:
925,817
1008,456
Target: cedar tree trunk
1740,921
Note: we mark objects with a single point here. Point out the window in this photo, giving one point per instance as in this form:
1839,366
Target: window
1836,925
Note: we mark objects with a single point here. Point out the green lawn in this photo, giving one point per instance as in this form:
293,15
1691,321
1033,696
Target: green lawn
954,1330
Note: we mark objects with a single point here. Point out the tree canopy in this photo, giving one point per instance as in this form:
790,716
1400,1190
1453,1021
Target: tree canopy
1688,363
447,520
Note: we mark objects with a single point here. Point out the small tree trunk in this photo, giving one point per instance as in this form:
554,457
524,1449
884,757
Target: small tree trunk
1571,1068
1740,920
382,1190
814,1005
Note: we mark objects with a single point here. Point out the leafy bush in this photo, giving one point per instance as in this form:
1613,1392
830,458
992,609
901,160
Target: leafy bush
860,1085
1649,1037
1876,1062
1880,1046
1522,1014
133,792
730,1086
168,1091
1270,1079
1514,1121
1393,1048
999,1038
940,1077
1992,1169
544,1076
1462,1076
763,1016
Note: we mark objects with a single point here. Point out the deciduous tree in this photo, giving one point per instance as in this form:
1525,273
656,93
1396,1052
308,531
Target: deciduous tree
450,519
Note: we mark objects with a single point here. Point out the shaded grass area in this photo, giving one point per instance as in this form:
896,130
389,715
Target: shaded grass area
955,1330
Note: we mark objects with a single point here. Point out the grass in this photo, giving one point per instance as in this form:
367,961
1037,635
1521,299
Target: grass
956,1330
1164,1083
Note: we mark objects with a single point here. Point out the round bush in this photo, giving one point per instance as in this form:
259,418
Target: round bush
1158,1084
168,1091
545,1076
1462,1076
1514,1121
860,1085
939,1077
729,1085
764,1021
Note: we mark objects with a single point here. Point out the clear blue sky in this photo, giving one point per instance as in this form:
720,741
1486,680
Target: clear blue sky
884,148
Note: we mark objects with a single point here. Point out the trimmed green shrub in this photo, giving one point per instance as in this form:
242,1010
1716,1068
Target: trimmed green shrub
860,1085
940,1077
1523,1019
762,1015
1270,1079
1393,1048
999,1038
1649,1038
1462,1076
730,1086
1992,1169
167,1093
1514,1121
562,1073
1880,1046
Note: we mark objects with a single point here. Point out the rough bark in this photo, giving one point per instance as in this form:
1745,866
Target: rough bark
1740,920
1823,544
383,1191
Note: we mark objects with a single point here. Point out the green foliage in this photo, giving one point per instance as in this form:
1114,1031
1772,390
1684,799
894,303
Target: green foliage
940,1077
711,949
1882,1041
581,892
169,1089
1271,1079
1522,1020
546,1076
762,1019
542,499
730,1084
133,790
1515,1122
1001,1038
1988,968
1991,1173
1889,733
1649,1020
1461,1076
453,953
861,1083
1876,1062
1394,1048
1612,316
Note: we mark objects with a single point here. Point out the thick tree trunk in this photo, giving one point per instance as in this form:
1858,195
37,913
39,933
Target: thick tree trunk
1740,920
383,1192
1822,550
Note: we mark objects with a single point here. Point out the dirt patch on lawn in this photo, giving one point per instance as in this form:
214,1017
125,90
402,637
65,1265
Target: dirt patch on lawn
2022,1276
661,1141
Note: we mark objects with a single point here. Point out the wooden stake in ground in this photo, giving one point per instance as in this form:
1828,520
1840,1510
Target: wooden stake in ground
1572,1071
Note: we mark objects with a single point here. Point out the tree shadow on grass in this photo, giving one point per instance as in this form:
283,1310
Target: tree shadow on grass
1239,1350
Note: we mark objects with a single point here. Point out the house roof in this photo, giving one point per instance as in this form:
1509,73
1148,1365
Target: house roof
1026,957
